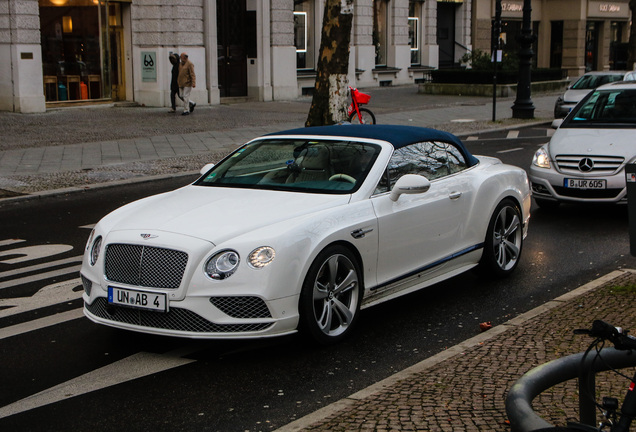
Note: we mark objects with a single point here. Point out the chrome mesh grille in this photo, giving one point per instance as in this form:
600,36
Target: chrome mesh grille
176,319
242,307
600,163
145,266
87,284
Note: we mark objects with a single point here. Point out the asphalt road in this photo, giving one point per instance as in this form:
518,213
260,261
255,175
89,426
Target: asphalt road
115,380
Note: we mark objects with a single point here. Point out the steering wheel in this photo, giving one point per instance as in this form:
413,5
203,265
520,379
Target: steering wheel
342,177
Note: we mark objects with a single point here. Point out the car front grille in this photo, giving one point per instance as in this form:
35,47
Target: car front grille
242,307
587,193
599,164
87,284
176,319
145,266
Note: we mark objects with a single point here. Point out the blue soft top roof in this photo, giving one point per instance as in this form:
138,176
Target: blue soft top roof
398,136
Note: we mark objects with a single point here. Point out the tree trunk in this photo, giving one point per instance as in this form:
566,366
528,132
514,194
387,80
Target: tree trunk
330,98
631,46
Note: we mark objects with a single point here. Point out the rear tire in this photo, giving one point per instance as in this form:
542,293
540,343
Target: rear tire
367,117
503,243
331,294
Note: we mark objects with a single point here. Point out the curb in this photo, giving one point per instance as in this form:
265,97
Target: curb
447,354
75,189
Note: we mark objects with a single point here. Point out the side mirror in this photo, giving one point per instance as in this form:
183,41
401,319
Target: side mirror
409,184
556,123
206,168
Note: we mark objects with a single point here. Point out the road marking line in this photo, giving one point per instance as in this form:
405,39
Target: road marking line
130,368
34,252
10,273
39,277
510,150
10,242
472,138
61,292
41,323
512,134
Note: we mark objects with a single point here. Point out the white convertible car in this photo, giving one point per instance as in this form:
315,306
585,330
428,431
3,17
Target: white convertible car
300,230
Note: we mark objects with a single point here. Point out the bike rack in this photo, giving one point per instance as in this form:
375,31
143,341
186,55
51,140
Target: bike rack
519,400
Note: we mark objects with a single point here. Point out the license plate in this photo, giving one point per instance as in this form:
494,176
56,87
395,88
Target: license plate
137,299
585,183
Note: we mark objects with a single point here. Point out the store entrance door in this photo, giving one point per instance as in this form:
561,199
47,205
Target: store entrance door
117,77
446,34
232,57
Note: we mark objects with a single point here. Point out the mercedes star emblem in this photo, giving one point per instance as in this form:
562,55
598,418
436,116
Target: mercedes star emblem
586,165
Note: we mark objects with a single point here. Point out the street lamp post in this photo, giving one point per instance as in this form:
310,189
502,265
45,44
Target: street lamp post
523,107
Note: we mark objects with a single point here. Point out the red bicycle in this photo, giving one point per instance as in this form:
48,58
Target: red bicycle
357,114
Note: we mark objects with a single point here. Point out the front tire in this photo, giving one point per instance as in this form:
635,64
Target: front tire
331,295
367,117
503,243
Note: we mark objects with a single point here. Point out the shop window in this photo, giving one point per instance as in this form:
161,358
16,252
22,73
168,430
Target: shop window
415,8
618,46
591,45
303,34
380,31
71,52
556,44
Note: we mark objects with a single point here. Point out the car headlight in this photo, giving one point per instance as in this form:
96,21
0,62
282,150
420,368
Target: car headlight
222,265
260,257
541,158
95,250
90,239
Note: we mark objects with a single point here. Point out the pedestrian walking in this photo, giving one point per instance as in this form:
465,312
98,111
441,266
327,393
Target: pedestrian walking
174,84
187,80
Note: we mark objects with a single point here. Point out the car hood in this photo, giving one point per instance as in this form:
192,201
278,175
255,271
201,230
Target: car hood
600,142
216,214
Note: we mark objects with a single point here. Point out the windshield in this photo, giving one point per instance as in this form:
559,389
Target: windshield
610,108
588,82
301,165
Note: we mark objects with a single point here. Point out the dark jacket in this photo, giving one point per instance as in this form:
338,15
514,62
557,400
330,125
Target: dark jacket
174,59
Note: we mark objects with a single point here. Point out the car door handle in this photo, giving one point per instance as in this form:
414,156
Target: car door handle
454,195
360,233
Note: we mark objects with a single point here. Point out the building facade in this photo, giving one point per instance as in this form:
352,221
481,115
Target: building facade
575,35
55,52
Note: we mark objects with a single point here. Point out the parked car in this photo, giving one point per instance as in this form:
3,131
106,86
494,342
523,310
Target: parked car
303,228
586,157
582,87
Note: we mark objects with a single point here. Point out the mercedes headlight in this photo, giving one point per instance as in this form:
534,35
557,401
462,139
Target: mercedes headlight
541,158
260,257
222,265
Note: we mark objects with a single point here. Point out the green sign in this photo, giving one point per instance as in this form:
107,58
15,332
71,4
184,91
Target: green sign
148,66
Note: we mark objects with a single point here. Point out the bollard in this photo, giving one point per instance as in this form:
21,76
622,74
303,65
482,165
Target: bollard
630,180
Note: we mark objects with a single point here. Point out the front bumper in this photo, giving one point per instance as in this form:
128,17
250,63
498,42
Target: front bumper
548,184
200,318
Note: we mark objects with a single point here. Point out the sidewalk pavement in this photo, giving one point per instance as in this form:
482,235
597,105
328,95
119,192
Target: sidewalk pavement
81,147
460,389
463,388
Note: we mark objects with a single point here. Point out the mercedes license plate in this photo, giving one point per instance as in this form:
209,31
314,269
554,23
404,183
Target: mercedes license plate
137,299
585,183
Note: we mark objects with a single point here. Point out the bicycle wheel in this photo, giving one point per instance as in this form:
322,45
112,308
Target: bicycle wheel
367,117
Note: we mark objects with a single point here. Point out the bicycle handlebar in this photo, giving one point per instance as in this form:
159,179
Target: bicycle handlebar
602,330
